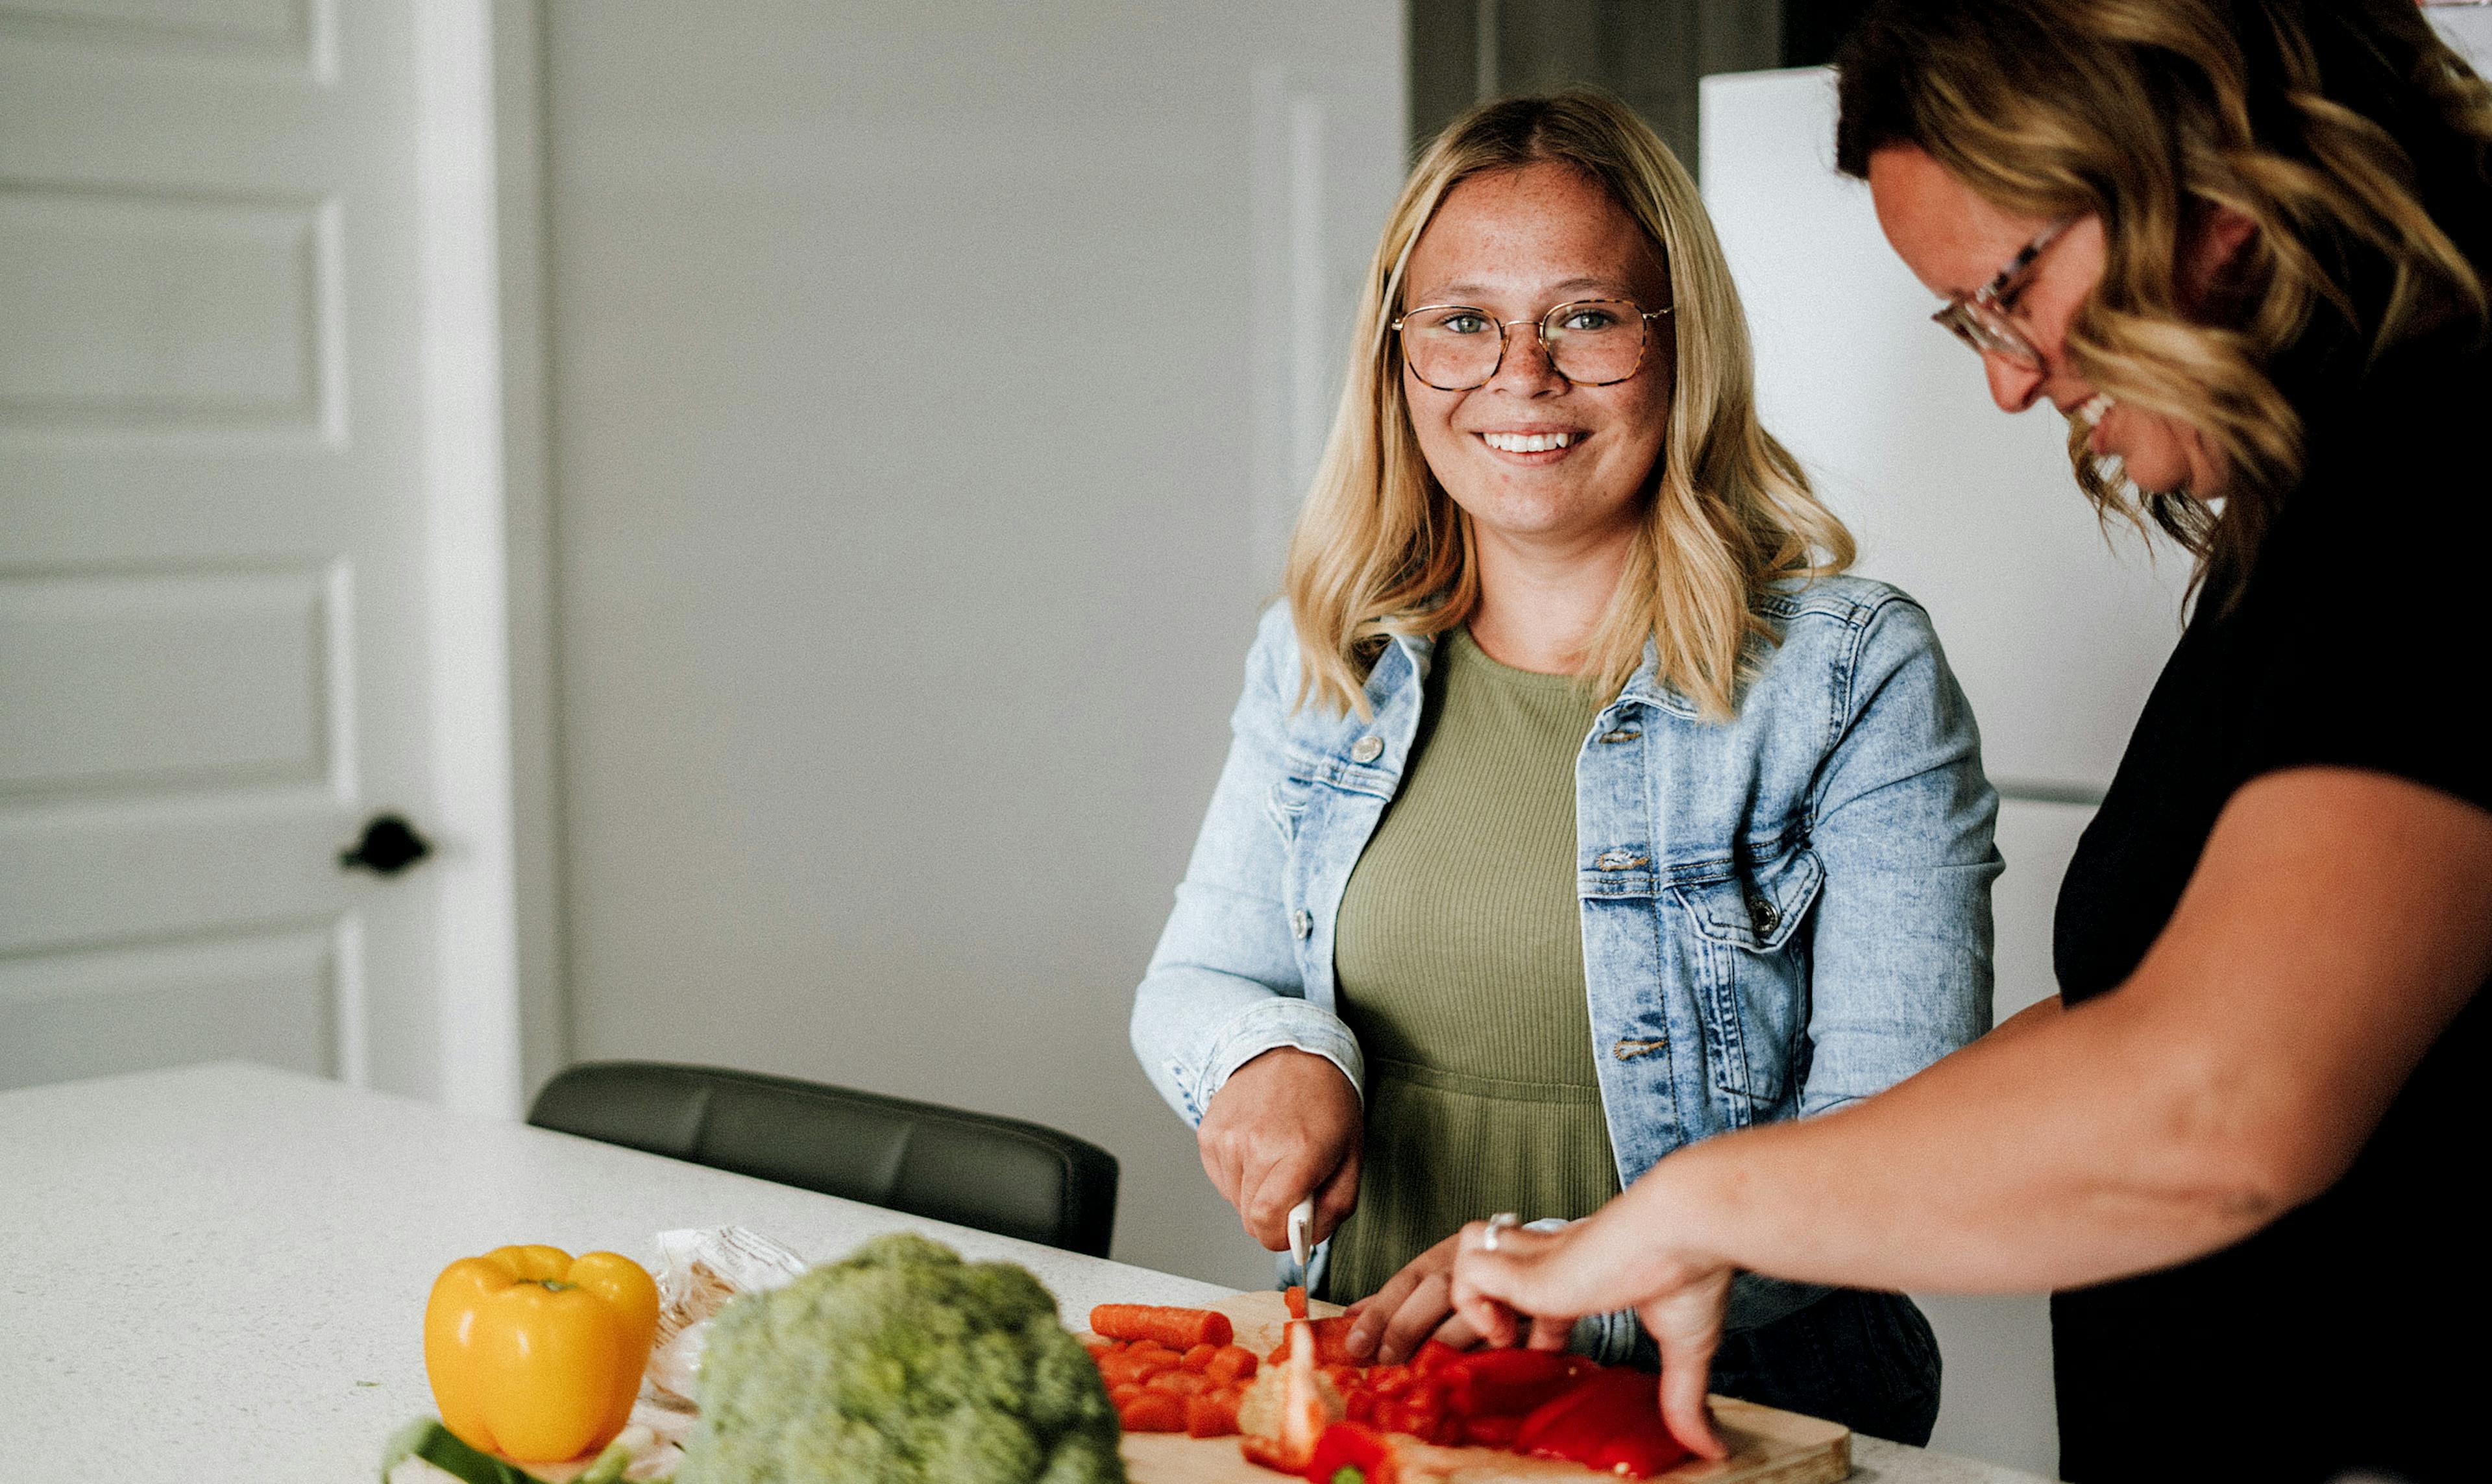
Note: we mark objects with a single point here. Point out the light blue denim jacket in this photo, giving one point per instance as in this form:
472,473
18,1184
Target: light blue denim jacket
1781,913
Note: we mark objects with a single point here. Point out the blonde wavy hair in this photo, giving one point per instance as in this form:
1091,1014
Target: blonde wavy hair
1382,549
2343,130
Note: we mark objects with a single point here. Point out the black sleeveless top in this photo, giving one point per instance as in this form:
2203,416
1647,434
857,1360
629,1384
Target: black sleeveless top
2352,1333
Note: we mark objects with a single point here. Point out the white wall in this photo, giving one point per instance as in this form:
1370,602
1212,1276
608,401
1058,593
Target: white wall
923,391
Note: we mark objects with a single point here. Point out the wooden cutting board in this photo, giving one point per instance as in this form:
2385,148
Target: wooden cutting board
1767,1446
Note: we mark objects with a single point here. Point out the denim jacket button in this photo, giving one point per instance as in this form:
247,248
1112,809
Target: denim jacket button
1762,913
1366,750
1301,923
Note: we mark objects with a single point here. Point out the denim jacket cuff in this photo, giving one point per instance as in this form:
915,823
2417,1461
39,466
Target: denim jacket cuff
1618,1338
1757,1300
1604,1339
1277,1022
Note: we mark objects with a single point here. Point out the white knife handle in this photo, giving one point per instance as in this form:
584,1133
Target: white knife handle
1302,1231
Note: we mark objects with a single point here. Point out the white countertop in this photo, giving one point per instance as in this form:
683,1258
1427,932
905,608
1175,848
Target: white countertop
218,1272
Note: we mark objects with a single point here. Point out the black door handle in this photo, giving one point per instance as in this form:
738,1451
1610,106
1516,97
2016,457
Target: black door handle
389,845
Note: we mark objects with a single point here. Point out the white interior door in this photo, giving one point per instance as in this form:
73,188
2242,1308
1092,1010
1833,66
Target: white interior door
217,533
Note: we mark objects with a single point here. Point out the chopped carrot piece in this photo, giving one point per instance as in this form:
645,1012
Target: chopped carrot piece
1211,1414
1179,1328
1178,1382
1121,1367
1153,1411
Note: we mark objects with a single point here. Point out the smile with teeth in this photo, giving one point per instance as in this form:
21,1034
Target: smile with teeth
2096,406
1530,442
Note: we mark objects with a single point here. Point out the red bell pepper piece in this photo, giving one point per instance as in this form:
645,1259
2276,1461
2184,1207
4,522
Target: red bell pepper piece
1351,1454
1510,1382
1332,1341
1611,1422
1270,1453
1433,1356
1491,1431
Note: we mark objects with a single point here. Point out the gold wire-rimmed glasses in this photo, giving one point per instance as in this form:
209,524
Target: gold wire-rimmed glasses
1456,347
1980,318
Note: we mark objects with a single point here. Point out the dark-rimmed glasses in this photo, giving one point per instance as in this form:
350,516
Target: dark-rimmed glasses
1980,318
1455,348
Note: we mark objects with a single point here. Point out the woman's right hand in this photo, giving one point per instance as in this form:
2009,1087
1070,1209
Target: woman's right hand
1284,1126
1531,1286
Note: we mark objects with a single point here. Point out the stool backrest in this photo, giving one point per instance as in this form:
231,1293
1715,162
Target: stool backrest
973,1170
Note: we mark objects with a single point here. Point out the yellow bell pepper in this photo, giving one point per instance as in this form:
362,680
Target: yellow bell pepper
536,1357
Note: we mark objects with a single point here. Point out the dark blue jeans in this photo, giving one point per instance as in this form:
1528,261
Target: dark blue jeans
1866,1360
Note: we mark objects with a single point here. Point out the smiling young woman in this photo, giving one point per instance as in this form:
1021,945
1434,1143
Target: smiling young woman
2243,245
1578,808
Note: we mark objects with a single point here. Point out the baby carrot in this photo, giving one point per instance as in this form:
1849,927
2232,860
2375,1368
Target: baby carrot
1179,1329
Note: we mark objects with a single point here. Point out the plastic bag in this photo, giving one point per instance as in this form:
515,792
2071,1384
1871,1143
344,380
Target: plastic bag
698,1271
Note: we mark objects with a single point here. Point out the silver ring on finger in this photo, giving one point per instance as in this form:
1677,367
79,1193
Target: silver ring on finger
1503,1221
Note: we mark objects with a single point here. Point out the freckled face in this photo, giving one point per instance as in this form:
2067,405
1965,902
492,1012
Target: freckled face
1529,455
1955,241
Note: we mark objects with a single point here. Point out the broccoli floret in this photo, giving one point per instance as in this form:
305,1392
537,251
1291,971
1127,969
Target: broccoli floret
901,1364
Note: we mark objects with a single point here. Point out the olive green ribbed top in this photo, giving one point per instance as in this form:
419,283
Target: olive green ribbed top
1458,954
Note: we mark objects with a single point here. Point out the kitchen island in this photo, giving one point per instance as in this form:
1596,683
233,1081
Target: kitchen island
219,1271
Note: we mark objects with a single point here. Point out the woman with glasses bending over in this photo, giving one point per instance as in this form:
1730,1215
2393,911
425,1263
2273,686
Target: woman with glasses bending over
1577,810
2241,245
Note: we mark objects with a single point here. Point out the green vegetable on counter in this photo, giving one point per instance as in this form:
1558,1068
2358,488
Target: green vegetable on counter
901,1365
425,1453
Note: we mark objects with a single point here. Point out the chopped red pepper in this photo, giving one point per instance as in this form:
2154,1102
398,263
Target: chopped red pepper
1305,1410
1296,1298
1434,1355
1351,1454
1269,1453
1610,1422
1510,1382
1491,1431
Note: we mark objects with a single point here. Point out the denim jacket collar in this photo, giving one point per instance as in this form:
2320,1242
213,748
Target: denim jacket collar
1415,653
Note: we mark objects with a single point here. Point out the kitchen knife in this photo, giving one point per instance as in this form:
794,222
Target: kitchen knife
1302,1232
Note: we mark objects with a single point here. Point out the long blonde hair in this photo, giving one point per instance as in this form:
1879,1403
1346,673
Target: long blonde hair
1382,549
2340,128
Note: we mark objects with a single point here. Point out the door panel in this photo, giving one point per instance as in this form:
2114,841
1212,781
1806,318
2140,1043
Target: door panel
274,27
198,678
267,998
129,307
212,652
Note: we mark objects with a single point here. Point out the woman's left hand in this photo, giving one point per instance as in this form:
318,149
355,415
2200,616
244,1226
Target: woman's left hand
1415,1306
1605,1262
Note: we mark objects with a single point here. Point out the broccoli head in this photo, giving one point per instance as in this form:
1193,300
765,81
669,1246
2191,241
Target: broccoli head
901,1365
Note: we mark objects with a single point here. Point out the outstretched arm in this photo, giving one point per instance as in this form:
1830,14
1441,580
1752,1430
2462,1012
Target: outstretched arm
2336,923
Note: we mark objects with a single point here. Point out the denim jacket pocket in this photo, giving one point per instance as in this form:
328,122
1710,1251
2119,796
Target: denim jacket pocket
1751,973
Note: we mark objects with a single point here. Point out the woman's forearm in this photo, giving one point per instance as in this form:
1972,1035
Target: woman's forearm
2012,1165
2337,922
